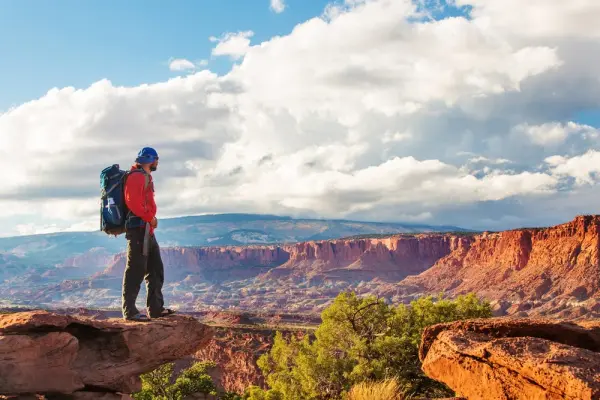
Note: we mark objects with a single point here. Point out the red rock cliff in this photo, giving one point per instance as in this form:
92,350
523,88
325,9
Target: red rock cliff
552,268
210,262
394,258
540,271
390,258
235,351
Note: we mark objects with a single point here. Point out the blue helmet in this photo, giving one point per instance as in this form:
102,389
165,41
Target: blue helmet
147,155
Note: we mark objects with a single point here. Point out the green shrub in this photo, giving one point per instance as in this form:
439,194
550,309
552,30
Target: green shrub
360,339
256,393
156,385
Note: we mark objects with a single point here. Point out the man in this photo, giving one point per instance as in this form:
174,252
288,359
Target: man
143,252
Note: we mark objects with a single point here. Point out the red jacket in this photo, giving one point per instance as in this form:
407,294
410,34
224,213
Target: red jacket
140,201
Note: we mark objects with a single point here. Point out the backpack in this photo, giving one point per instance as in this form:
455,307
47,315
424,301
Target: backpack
113,210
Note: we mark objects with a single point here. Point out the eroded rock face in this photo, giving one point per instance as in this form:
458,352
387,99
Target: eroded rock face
46,353
210,263
235,352
394,257
390,259
514,359
538,272
541,272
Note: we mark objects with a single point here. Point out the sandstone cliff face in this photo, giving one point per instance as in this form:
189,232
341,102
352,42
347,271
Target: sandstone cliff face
210,263
539,271
389,259
236,350
93,257
505,359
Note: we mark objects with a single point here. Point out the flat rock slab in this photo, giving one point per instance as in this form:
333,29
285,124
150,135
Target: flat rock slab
503,359
585,335
42,352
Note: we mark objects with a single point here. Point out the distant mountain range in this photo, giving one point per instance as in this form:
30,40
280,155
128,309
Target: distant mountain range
205,230
34,261
550,272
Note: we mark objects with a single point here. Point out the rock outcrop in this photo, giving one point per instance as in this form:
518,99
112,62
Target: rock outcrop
47,353
506,359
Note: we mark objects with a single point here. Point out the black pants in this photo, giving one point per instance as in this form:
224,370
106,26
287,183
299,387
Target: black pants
139,268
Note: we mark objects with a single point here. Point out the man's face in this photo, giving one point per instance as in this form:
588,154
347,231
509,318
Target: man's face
154,166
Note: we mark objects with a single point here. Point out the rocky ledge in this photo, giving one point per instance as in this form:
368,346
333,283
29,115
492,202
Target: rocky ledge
82,358
505,358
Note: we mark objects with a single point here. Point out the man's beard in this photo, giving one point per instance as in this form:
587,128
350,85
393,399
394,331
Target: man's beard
153,168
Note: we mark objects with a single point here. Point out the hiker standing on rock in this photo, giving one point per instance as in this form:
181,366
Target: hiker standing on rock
143,252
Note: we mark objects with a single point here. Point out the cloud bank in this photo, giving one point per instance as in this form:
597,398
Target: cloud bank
370,111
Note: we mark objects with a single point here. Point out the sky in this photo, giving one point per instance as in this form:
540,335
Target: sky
479,113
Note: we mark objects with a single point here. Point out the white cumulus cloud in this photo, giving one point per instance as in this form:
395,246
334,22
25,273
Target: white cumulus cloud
368,111
234,45
585,168
278,6
554,133
531,19
181,64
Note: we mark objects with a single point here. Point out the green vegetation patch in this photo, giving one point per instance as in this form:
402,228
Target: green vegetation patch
363,349
361,340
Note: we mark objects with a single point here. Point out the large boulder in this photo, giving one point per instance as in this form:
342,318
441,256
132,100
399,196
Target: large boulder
46,353
506,359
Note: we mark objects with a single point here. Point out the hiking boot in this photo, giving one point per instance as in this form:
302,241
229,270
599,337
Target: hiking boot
138,318
165,312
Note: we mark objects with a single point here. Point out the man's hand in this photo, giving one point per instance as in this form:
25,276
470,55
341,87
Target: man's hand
154,222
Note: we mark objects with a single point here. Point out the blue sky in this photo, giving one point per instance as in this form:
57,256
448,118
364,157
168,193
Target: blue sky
48,44
75,43
474,121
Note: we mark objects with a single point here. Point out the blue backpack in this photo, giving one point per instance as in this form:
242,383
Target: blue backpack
113,210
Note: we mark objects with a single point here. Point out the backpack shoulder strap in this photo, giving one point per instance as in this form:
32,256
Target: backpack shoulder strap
146,176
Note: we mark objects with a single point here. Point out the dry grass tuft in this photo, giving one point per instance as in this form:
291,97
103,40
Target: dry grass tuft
383,390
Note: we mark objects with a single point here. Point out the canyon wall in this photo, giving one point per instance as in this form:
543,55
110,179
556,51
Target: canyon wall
537,271
210,263
389,258
235,351
552,270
